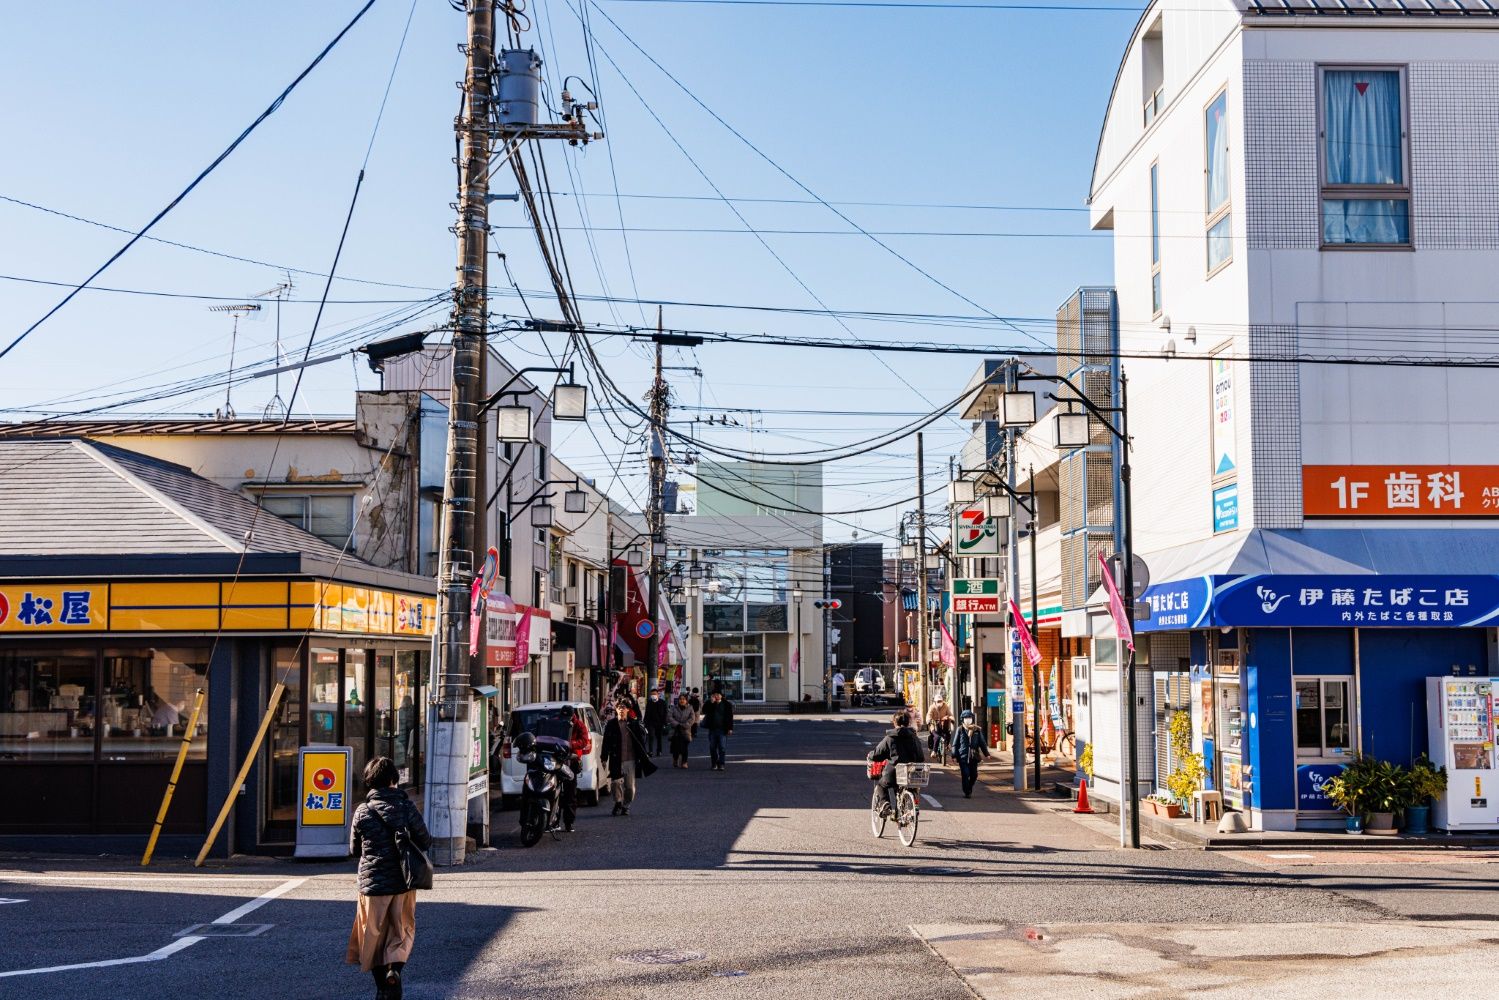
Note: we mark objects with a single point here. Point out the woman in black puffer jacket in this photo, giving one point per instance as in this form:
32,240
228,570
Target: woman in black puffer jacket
385,922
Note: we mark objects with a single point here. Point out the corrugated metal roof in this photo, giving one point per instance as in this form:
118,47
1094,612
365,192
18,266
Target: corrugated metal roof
55,429
1393,8
69,498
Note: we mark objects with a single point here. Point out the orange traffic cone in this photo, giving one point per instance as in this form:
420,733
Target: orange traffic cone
1082,797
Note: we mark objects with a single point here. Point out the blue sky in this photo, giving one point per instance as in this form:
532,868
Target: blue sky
936,107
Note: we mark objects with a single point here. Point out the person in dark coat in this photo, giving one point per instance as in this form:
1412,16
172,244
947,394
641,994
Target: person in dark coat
718,719
385,921
696,701
625,755
682,720
901,745
969,748
655,721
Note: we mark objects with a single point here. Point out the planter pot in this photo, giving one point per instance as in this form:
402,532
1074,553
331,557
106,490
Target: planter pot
1172,810
1417,819
1381,824
1355,824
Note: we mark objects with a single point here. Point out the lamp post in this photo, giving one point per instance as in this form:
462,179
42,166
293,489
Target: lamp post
1073,432
796,691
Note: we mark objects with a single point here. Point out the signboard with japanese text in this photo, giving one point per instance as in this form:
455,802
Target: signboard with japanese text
325,786
1225,423
1400,490
500,621
976,597
1309,781
1292,601
52,608
974,532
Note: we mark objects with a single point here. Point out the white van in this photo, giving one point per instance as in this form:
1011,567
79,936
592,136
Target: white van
534,719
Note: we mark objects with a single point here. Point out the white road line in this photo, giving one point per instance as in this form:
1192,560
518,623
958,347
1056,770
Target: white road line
928,800
40,879
167,951
1288,857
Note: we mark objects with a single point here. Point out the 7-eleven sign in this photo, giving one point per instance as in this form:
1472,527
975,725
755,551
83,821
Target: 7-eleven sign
974,532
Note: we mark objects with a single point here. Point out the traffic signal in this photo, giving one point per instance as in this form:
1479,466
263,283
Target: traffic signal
830,603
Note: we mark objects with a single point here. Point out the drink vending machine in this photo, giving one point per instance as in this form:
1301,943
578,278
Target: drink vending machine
1460,723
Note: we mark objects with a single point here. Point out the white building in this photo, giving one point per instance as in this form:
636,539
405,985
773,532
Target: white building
1298,181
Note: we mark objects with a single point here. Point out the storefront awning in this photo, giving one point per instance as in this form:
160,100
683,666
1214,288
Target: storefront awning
1330,577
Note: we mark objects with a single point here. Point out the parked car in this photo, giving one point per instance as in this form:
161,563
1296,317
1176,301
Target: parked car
869,681
545,719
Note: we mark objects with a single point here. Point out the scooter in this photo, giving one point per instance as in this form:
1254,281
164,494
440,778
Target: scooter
547,769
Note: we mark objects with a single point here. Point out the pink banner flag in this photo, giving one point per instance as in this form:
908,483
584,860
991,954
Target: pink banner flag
949,648
1116,606
523,639
475,616
663,644
1027,642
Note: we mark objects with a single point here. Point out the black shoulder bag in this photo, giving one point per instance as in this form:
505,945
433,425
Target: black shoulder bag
416,867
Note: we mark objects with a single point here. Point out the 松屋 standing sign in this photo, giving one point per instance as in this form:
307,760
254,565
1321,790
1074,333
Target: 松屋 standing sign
325,809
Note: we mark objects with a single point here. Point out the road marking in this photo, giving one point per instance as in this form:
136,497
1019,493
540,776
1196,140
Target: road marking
4,901
928,800
1287,857
167,951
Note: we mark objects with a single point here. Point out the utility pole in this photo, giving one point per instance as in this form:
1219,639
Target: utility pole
1015,683
655,516
447,790
921,627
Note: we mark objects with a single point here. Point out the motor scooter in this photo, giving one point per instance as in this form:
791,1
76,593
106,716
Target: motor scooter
548,768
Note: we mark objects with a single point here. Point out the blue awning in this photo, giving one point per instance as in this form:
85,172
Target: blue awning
908,600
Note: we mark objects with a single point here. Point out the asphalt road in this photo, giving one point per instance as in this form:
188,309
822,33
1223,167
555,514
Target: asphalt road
764,880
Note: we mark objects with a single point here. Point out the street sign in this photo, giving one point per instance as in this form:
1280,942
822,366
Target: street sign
644,628
976,597
1140,579
324,811
975,532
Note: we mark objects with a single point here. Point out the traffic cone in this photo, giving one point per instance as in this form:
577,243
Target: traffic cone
1082,797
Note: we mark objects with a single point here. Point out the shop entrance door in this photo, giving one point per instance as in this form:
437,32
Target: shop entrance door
752,685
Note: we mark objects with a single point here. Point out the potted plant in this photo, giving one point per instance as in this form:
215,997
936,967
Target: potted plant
1349,789
1424,782
1164,805
1386,795
1187,777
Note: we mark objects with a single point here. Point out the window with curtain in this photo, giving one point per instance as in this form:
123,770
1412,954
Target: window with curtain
1219,217
1365,190
1155,239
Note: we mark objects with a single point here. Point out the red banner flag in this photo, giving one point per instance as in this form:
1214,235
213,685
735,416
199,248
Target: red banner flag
1116,606
949,648
523,639
1027,642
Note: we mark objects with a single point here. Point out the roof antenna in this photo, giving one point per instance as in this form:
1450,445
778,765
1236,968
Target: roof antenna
237,310
277,406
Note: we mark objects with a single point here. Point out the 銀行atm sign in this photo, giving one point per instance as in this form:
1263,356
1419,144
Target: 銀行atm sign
975,597
1400,490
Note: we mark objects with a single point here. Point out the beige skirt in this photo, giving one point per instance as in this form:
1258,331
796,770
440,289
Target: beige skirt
384,930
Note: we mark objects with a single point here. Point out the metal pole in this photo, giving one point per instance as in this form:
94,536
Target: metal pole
654,516
608,645
1133,763
1013,684
921,627
796,692
447,792
1035,628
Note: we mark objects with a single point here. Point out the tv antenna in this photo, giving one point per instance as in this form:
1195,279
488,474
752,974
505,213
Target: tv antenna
277,406
236,310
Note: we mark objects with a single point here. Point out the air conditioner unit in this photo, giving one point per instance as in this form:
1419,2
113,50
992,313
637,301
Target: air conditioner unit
570,594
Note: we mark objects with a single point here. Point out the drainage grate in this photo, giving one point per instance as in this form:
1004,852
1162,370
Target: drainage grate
224,930
666,956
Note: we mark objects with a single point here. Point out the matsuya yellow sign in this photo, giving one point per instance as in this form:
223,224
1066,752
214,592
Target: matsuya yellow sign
325,787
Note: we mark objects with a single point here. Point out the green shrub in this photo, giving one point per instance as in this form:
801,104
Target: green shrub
1188,775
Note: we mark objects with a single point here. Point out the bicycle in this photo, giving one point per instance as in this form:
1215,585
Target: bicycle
908,778
941,742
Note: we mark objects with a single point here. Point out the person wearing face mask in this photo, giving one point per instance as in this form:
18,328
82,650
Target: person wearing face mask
969,748
682,720
655,721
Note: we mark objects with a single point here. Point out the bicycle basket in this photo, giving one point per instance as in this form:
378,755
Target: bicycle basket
873,768
913,775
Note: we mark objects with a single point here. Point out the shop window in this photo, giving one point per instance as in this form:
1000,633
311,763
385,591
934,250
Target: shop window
407,749
48,705
766,618
1155,239
330,518
147,699
1324,716
1216,174
356,713
323,698
285,739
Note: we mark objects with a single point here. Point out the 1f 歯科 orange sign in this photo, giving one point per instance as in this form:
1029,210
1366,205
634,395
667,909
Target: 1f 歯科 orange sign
1400,490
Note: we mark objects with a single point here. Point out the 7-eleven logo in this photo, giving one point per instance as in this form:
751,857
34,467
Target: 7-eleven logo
974,529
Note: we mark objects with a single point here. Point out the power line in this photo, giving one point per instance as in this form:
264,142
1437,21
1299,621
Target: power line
270,110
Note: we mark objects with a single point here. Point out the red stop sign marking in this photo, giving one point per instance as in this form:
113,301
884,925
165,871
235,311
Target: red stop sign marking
322,778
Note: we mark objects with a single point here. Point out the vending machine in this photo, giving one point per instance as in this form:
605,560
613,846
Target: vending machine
1460,722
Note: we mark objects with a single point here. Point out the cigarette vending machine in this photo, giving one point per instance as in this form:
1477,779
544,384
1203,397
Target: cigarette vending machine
1460,723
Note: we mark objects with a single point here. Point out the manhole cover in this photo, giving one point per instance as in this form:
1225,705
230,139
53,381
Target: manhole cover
665,956
938,870
224,930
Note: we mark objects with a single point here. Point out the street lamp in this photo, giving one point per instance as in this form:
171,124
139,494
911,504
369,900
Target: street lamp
658,548
513,424
541,515
575,501
570,401
907,551
635,558
796,691
1072,431
962,491
1017,409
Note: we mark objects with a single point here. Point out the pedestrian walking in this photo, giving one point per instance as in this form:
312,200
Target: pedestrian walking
625,755
655,721
838,682
696,701
385,920
969,747
682,720
718,719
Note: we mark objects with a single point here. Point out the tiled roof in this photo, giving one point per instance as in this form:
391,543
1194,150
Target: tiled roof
69,498
54,429
1393,8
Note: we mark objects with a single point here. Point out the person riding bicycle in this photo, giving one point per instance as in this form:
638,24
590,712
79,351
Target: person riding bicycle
901,745
939,720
